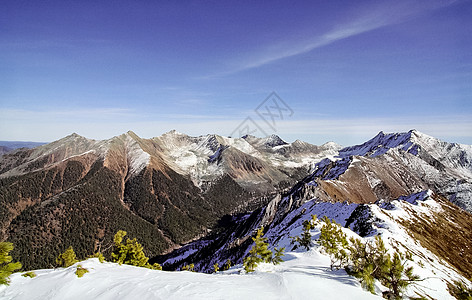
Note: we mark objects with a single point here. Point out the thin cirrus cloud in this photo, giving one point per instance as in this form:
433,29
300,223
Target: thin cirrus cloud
307,46
374,18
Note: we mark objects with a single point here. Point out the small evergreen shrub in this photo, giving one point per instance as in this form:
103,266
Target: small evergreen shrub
98,255
154,266
189,268
29,274
6,266
227,265
260,253
460,290
80,271
370,261
333,241
278,254
397,277
130,253
305,239
67,258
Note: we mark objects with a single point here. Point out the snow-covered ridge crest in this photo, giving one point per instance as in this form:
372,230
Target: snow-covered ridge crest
381,143
138,158
393,220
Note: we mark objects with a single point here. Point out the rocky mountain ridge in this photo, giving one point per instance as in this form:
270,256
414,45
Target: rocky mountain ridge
166,190
396,185
170,190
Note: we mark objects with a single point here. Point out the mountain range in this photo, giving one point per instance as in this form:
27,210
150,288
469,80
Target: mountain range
165,191
390,175
200,199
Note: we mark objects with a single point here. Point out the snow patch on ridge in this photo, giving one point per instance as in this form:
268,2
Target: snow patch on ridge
138,158
380,144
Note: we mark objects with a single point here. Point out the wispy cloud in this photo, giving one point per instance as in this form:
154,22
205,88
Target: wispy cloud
371,19
330,37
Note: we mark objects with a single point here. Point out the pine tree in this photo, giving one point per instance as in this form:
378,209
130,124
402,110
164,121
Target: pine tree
278,254
380,257
189,268
251,261
227,265
305,239
334,243
29,274
259,252
154,266
80,271
459,290
397,277
216,268
368,261
6,266
67,258
362,263
130,253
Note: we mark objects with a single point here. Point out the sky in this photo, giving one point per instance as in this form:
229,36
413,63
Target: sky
312,70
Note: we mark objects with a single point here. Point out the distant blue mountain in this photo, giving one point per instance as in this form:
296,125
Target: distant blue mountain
16,144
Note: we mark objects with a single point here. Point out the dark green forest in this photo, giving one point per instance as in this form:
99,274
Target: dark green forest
44,212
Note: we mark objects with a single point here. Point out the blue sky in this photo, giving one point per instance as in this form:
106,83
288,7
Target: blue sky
347,69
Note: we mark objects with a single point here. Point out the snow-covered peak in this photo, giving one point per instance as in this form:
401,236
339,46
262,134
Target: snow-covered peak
174,132
270,141
381,143
273,141
210,142
331,146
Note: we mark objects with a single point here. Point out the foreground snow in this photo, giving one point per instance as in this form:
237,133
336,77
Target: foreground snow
301,276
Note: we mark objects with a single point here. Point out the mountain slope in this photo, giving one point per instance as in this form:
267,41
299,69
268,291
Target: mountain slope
394,185
80,192
392,165
302,274
171,190
440,254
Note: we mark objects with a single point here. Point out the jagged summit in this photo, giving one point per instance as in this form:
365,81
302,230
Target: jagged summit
73,136
272,141
331,145
381,143
174,132
131,133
